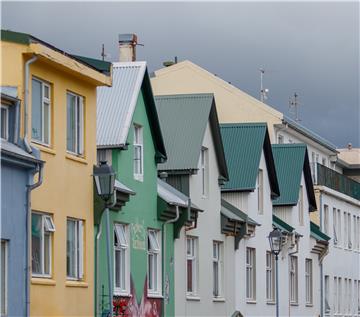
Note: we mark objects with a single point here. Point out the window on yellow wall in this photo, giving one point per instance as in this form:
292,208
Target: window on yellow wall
75,124
75,249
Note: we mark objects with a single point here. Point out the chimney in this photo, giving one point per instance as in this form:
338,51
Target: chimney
127,47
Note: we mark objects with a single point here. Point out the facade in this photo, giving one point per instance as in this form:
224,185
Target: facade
57,118
252,186
17,171
203,262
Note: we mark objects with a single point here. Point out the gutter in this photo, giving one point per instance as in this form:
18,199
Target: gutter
28,237
26,116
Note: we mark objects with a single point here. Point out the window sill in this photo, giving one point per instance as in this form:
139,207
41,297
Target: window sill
42,281
70,283
219,299
155,296
294,304
122,294
43,147
139,178
192,298
251,301
309,305
75,158
270,302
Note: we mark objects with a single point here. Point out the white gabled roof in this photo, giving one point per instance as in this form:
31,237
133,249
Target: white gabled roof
116,104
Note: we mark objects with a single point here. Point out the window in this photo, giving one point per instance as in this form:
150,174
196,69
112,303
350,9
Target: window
323,161
326,219
339,296
270,277
301,206
4,122
327,295
104,155
217,268
75,124
250,274
4,277
309,281
349,230
339,228
356,233
154,262
204,170
280,139
357,226
122,259
40,111
41,244
335,226
335,301
358,299
260,192
313,168
192,265
74,249
138,153
294,280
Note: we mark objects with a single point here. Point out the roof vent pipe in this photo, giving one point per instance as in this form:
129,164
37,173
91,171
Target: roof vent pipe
127,47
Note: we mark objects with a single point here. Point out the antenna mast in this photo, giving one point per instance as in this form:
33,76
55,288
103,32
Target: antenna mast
263,91
103,52
294,104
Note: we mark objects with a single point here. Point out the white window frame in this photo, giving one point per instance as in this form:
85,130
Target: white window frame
47,225
270,277
301,206
79,245
4,249
260,191
204,171
326,219
6,128
336,291
358,299
339,227
250,274
139,144
339,295
44,101
193,256
335,227
79,124
294,281
327,307
309,293
218,265
349,237
154,251
121,231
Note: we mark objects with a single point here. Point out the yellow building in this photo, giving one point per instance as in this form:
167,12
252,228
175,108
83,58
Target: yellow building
58,117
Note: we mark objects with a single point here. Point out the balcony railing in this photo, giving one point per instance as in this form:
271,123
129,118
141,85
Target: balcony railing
336,181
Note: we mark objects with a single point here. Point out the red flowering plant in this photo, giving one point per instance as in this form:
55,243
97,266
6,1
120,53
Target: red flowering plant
120,307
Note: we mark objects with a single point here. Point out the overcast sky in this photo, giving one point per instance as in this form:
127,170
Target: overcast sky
305,47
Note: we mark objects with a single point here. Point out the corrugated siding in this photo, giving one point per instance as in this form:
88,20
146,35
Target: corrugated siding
243,144
116,104
239,200
183,120
284,213
289,163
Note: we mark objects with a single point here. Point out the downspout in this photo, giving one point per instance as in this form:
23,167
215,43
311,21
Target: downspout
17,123
166,296
289,254
26,116
28,238
321,264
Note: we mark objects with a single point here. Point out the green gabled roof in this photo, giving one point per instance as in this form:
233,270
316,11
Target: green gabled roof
183,120
25,38
234,213
316,233
243,145
282,225
291,160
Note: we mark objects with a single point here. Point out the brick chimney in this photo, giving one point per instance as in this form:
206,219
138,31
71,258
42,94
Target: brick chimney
127,47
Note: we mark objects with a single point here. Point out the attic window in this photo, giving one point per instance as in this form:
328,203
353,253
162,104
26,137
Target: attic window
138,153
4,122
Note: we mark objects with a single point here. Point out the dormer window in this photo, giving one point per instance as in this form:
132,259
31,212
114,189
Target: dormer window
4,122
204,170
138,153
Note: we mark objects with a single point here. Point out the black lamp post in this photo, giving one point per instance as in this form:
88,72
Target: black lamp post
104,177
275,238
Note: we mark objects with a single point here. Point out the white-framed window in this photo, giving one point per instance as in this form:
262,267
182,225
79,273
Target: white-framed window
250,274
356,233
339,295
326,219
4,122
41,111
260,191
204,169
270,277
294,293
75,124
121,259
192,264
138,153
336,291
308,282
335,227
4,277
154,262
280,139
218,267
349,231
327,295
313,167
75,249
301,206
42,229
339,227
358,298
104,155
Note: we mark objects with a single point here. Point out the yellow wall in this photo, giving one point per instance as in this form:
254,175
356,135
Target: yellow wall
67,190
232,104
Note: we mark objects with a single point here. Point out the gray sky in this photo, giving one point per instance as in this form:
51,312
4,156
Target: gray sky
305,47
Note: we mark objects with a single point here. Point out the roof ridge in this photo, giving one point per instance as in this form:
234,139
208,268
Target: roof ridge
129,64
243,124
194,95
289,145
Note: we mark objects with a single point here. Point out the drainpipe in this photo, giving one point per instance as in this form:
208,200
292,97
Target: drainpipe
166,296
26,116
28,238
17,122
321,264
289,254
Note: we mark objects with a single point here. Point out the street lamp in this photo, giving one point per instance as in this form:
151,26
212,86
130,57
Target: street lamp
104,177
275,238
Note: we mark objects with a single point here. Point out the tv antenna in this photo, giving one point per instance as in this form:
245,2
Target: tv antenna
263,91
103,54
294,106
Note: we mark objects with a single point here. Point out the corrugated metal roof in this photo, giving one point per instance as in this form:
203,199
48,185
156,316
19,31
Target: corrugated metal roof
243,144
14,150
231,212
316,233
183,120
116,104
123,188
282,225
